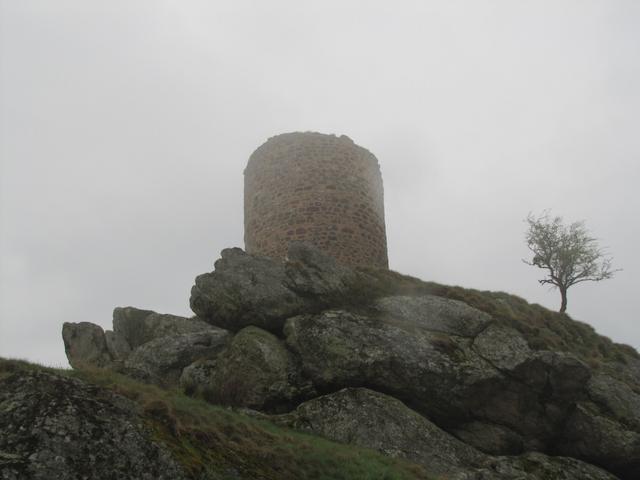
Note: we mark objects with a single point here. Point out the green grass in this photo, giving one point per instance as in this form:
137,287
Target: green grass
543,329
210,440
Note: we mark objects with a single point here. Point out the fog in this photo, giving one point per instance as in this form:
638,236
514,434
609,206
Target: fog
125,127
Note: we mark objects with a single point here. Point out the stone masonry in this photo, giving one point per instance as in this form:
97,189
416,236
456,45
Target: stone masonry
316,188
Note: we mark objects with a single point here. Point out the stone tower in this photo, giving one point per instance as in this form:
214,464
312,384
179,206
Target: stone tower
316,188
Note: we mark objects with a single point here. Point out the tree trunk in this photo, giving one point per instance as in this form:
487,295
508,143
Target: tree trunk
563,294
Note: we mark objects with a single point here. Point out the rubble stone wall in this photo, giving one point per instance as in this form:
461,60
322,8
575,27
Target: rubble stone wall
321,189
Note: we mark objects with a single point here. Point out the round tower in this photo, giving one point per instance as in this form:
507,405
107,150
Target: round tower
316,188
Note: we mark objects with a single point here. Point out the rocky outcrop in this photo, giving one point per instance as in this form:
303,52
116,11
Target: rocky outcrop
137,327
245,290
611,416
595,437
85,345
480,381
451,386
435,314
162,360
62,428
145,345
255,371
318,278
250,290
340,349
369,419
537,466
616,398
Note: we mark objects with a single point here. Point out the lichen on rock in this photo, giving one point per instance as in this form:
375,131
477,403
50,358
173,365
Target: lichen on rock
255,371
374,420
55,427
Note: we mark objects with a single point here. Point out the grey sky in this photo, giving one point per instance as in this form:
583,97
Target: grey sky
125,127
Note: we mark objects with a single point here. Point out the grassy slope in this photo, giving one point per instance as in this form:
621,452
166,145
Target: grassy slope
212,442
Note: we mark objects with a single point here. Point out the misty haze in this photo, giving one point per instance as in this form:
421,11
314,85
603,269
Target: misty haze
358,153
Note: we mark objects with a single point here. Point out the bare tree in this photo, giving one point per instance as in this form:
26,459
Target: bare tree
568,252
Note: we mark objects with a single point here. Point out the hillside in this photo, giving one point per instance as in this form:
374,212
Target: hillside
308,369
106,425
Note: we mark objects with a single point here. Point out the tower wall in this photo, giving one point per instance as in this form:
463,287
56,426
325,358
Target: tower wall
321,189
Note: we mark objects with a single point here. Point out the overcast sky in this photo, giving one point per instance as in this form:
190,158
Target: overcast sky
125,127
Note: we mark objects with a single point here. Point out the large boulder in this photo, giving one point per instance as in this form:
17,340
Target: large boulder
416,349
537,466
617,398
133,327
244,290
593,436
373,420
363,417
534,397
435,314
429,369
255,371
501,347
85,345
489,437
117,345
248,290
162,360
146,345
317,277
129,325
56,427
